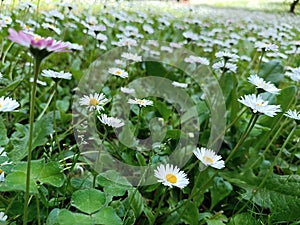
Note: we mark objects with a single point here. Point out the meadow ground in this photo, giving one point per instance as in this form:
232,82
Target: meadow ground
149,113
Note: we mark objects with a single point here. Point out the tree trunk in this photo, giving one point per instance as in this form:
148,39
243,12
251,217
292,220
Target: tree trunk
293,6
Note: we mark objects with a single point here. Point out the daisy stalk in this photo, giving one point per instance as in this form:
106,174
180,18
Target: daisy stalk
39,48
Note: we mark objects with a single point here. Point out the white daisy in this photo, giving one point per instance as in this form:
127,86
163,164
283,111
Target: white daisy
262,46
140,102
111,121
132,57
261,83
258,105
3,217
293,114
196,59
294,74
8,104
118,72
209,158
227,56
54,74
181,85
227,66
127,90
93,101
170,176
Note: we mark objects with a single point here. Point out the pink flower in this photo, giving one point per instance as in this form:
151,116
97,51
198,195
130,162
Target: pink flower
35,42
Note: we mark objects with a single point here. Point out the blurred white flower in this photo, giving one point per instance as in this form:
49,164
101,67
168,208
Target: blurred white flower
118,72
262,84
54,74
8,104
209,158
93,101
132,57
293,114
127,90
181,85
3,217
140,102
170,176
111,121
258,105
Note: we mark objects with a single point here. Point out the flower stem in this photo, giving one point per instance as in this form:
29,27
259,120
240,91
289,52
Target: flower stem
244,136
31,121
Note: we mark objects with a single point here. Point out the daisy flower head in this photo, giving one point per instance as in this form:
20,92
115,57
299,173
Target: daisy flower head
262,46
93,101
140,102
39,46
293,114
209,158
258,105
226,66
3,217
260,83
58,75
181,85
118,72
227,56
170,176
111,121
8,104
127,90
131,57
294,74
195,59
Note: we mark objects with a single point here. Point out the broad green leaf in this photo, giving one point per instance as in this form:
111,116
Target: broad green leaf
281,194
272,71
215,222
112,178
3,133
135,200
106,216
88,200
243,218
51,174
66,217
149,215
20,138
219,191
17,182
41,172
53,217
163,109
63,105
189,213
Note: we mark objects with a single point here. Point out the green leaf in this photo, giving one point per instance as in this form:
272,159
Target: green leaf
51,174
88,200
20,138
164,110
135,200
219,191
189,213
112,178
215,222
106,216
63,105
243,218
281,194
53,217
272,71
149,215
17,182
3,133
66,217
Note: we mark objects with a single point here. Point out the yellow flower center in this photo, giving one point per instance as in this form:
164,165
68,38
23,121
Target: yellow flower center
118,72
1,171
93,101
208,159
36,39
259,104
27,26
1,105
171,178
140,102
